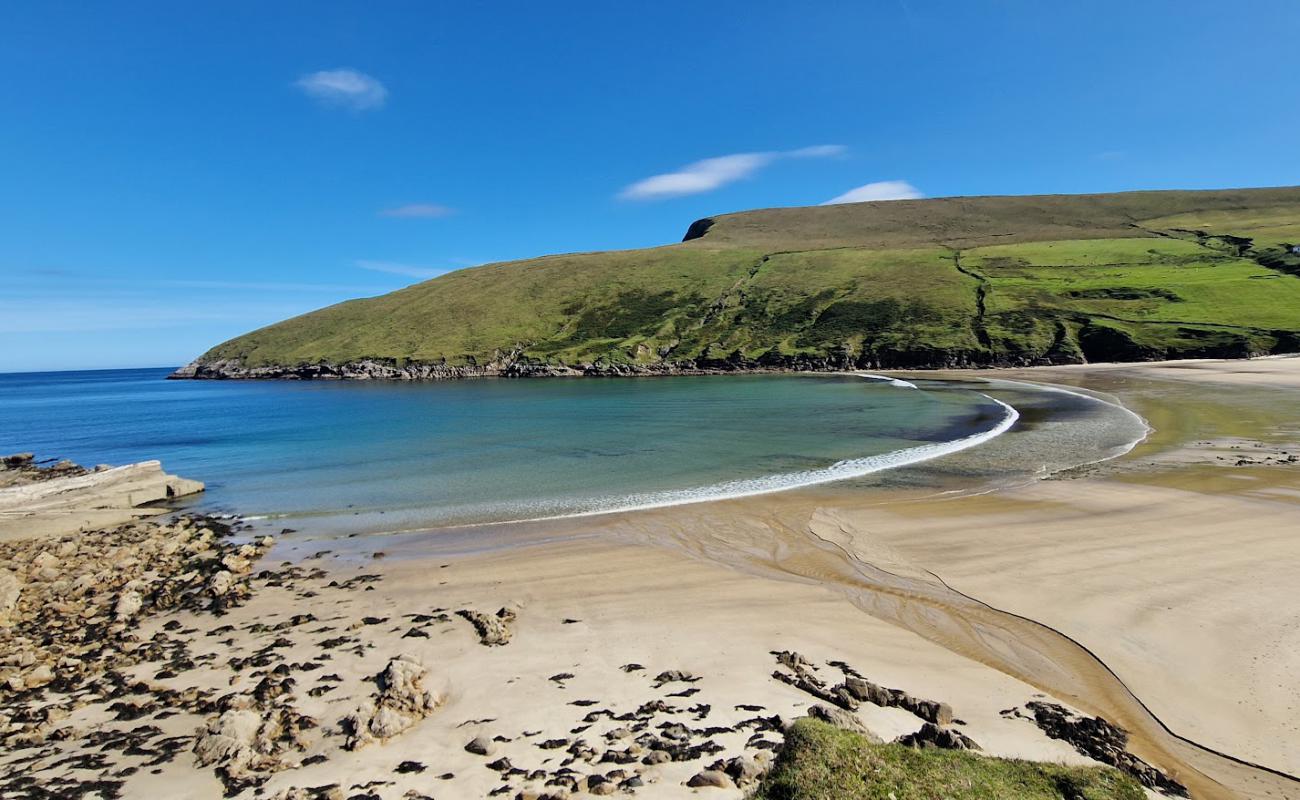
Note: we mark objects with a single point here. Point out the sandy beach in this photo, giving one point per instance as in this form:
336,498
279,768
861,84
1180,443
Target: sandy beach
635,652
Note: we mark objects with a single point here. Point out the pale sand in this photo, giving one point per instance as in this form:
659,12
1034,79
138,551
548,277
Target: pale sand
1180,578
635,605
1270,371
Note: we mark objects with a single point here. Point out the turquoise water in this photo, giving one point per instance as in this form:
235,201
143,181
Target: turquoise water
431,454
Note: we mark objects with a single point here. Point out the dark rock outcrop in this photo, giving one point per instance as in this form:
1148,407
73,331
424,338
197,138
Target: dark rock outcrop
698,228
933,736
1096,738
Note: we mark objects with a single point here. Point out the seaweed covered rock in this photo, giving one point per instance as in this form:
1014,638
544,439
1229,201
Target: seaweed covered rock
401,702
250,741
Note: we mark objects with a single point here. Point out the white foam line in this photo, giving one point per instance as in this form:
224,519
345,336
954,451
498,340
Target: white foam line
891,381
1147,430
841,470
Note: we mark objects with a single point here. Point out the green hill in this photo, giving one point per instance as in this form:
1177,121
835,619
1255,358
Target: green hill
949,282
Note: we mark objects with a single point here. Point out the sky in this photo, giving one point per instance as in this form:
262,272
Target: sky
175,174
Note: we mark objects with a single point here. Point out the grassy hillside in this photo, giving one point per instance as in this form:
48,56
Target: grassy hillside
820,762
944,282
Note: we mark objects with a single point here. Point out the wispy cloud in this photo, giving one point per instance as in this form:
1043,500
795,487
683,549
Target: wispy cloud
346,88
818,151
273,286
714,173
418,211
131,312
880,190
408,270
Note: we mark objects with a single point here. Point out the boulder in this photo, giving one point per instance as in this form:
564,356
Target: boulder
742,770
932,736
712,778
246,744
401,702
841,719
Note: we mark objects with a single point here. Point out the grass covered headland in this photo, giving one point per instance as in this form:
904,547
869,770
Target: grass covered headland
948,282
822,762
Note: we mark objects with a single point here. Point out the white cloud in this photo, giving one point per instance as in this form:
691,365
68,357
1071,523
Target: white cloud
819,151
714,173
400,269
881,190
344,87
418,211
702,176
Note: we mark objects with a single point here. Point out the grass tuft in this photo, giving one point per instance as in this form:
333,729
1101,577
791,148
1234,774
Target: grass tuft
822,762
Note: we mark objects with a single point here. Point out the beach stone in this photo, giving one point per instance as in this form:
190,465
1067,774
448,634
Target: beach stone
932,736
128,605
493,629
11,587
38,676
481,746
793,661
236,563
868,692
711,778
841,719
230,740
742,770
933,711
45,560
220,583
674,676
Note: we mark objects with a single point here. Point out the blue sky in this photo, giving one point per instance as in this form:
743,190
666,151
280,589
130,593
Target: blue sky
174,174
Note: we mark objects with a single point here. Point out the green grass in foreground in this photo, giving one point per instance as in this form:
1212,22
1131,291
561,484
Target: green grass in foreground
821,762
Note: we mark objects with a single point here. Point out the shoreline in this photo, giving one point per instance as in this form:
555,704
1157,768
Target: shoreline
1049,591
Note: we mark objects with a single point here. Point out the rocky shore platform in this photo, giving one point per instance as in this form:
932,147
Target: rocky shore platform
180,658
39,498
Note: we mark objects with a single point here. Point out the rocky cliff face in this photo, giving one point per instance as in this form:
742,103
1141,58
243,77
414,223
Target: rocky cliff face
1090,343
516,367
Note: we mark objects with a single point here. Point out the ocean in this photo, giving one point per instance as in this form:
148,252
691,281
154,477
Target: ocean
405,456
